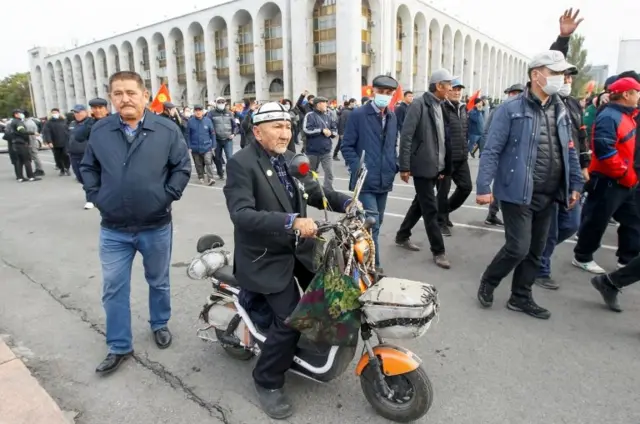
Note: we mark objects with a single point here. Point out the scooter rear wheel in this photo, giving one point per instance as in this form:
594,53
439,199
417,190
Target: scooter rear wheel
235,352
412,399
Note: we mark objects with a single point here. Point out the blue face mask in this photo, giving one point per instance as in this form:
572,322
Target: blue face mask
382,100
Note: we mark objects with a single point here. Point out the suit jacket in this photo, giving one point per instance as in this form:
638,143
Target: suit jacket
259,206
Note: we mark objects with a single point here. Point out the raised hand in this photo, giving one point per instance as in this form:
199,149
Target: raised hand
569,22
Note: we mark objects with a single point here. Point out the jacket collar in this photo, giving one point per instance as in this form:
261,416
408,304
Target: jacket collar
627,110
148,122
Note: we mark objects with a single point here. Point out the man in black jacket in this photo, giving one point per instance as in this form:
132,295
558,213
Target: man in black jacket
342,124
267,205
18,137
455,118
56,135
135,166
425,155
403,107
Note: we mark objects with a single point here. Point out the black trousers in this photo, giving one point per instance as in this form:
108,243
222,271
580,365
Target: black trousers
338,146
280,346
61,158
494,207
22,160
607,199
525,233
425,206
461,177
626,275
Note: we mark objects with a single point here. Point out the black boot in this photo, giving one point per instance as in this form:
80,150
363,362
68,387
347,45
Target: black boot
274,403
528,306
609,292
112,362
162,337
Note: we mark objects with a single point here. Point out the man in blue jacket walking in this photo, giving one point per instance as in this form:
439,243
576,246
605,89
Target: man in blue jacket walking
201,139
135,166
374,128
320,129
531,160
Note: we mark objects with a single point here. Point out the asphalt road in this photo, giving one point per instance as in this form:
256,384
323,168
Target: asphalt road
487,366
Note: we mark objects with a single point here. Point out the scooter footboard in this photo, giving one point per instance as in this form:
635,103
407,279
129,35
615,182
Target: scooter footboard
395,360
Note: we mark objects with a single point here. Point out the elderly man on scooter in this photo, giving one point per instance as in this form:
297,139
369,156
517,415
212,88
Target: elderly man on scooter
274,242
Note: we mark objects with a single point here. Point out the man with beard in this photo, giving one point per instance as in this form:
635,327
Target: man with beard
267,207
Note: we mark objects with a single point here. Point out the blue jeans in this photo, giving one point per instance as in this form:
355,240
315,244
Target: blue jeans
473,140
227,148
117,250
564,225
374,204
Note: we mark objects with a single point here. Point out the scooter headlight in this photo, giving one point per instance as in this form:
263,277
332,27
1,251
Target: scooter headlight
205,264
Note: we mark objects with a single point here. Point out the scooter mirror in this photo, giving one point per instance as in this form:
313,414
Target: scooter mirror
299,166
209,241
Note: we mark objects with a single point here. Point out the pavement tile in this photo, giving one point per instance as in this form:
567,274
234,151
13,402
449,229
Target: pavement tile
23,400
6,354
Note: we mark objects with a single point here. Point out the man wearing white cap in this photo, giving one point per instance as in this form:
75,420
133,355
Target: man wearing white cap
267,207
531,160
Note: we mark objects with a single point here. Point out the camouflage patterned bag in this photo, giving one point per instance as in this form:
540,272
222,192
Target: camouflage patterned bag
329,310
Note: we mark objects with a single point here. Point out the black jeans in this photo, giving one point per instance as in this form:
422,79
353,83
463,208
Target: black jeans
22,160
61,158
607,199
282,341
525,233
425,205
75,160
461,177
338,146
626,275
494,208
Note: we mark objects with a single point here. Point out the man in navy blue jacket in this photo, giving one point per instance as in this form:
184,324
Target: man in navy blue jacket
374,128
135,166
201,139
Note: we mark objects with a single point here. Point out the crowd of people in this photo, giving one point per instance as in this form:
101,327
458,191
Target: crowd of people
553,168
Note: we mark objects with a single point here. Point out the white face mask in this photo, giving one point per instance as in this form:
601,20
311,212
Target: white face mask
286,107
565,90
554,82
21,115
220,106
55,116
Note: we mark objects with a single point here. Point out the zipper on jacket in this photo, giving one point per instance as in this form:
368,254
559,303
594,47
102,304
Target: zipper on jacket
530,160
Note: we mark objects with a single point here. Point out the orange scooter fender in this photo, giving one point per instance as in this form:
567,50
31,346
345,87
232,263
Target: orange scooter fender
395,360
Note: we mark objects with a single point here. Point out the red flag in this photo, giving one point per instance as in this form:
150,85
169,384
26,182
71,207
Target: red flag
397,97
161,96
367,91
472,101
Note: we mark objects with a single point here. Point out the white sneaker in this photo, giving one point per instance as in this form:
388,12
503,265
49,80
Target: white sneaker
88,206
590,266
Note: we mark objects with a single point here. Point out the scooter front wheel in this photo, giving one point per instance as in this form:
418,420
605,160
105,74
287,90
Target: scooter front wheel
411,399
235,352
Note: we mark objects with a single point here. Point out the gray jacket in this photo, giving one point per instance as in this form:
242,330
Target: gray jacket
223,123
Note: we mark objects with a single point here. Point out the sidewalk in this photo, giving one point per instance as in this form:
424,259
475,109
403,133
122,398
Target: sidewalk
22,399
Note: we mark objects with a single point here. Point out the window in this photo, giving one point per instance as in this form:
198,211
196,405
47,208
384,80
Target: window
179,47
145,58
227,90
276,86
325,47
246,59
222,62
162,52
198,44
221,40
275,54
250,88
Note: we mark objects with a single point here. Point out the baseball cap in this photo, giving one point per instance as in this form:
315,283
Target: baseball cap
441,75
553,60
624,84
457,83
79,108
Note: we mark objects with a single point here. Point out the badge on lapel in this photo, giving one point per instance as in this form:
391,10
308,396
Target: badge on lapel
269,173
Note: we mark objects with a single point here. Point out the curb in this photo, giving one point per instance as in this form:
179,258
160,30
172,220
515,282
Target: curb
22,398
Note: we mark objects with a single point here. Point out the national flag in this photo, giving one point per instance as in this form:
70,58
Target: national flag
472,101
367,91
161,96
396,98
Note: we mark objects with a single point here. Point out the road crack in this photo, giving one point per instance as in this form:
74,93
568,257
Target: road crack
157,368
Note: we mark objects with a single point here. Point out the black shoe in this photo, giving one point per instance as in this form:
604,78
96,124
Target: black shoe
494,220
61,174
408,244
162,337
547,283
485,295
112,362
66,172
445,230
609,292
449,223
529,307
39,173
274,403
221,177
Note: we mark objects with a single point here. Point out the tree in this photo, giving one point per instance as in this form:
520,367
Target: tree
14,93
577,56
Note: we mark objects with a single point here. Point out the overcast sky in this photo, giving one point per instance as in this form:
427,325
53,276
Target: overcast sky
528,26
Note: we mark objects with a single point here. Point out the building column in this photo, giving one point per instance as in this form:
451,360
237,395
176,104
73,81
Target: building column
407,60
209,64
69,87
89,82
235,79
286,51
39,101
303,74
193,93
78,82
100,82
49,86
124,59
172,68
349,55
259,59
153,67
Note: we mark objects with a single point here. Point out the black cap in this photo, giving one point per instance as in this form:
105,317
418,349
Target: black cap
514,87
198,107
630,74
385,81
319,99
98,102
168,105
17,111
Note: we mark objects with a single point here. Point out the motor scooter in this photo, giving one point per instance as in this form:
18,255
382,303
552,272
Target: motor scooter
392,378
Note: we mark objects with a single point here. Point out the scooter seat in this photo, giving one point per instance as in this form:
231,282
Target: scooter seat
225,275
